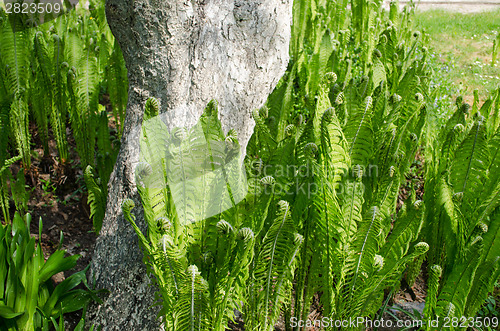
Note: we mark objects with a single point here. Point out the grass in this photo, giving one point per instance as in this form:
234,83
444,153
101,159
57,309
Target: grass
461,51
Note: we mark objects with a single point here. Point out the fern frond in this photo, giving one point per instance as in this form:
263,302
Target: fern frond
488,271
96,199
456,286
468,171
362,253
117,84
435,273
192,311
273,260
359,133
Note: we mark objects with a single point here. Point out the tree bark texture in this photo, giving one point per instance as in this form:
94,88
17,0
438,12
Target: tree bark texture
184,53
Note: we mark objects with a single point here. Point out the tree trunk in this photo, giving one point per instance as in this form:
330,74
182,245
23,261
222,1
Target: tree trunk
184,53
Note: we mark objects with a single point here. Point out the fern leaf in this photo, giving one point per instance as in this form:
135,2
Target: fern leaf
273,260
96,199
433,286
359,133
456,286
468,171
192,308
364,247
488,270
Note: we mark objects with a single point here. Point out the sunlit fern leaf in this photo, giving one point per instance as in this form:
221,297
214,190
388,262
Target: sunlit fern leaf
450,221
334,145
322,104
386,197
307,136
490,195
274,103
367,299
381,108
409,136
362,252
404,233
457,283
281,164
407,88
328,230
317,66
435,273
468,170
210,123
233,274
151,186
352,209
263,134
272,261
73,48
286,106
491,201
169,266
378,72
234,173
192,311
153,147
183,173
359,133
299,26
450,145
153,142
488,270
494,118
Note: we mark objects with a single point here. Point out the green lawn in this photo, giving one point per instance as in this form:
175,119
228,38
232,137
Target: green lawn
461,50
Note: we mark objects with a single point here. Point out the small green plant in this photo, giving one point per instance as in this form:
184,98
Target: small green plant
28,298
48,186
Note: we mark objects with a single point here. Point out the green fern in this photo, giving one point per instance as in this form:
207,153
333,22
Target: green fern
192,311
96,198
273,263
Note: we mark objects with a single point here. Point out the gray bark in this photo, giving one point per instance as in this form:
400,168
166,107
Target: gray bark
184,53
